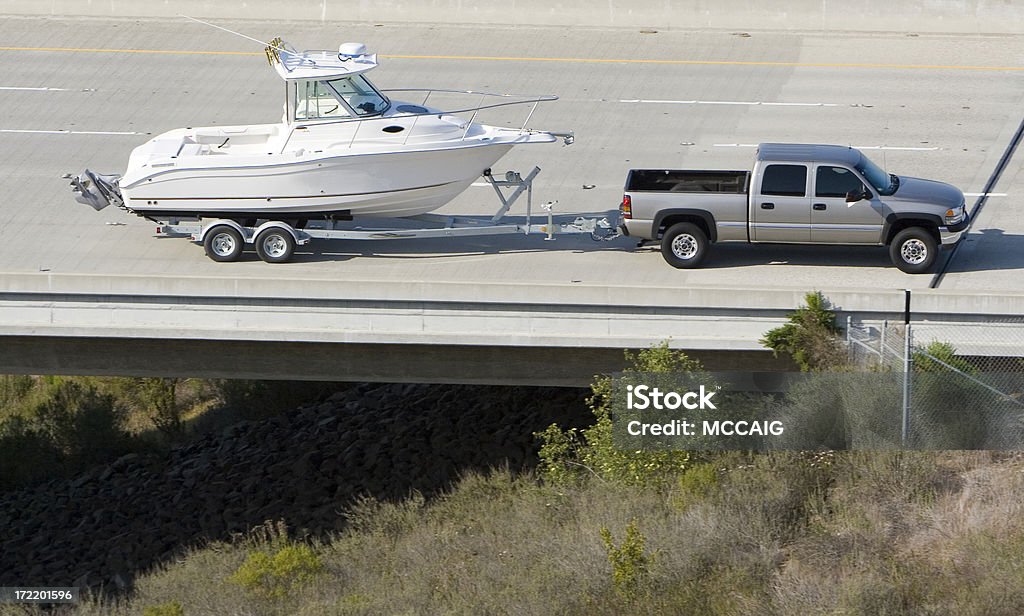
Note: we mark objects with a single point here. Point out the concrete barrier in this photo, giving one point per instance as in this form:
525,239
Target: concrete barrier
925,16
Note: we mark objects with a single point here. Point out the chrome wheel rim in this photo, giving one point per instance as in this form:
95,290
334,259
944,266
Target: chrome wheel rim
275,246
684,246
223,244
914,251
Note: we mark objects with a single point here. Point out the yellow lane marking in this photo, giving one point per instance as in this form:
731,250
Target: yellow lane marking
947,67
157,51
718,62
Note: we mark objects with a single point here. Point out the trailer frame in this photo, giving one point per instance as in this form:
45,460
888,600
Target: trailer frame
224,239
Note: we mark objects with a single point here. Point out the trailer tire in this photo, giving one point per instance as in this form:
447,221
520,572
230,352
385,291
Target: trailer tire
223,243
275,245
684,245
914,250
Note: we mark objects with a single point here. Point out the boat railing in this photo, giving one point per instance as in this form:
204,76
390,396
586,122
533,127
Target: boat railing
483,103
476,109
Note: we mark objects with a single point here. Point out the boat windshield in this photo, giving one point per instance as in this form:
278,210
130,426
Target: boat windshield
360,95
884,183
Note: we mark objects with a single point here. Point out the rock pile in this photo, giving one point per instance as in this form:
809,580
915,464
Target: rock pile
106,526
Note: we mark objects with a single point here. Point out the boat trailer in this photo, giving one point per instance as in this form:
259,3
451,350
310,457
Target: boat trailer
275,240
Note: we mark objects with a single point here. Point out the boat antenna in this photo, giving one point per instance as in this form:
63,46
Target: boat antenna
239,34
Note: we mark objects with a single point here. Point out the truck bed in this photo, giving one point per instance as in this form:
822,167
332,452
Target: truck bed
687,181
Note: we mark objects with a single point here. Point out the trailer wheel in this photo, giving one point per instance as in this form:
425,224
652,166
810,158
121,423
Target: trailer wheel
275,245
684,245
914,250
223,243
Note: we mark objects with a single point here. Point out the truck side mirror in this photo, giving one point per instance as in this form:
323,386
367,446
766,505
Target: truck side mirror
857,195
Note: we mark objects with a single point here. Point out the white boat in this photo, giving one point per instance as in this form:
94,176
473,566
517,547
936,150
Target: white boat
343,148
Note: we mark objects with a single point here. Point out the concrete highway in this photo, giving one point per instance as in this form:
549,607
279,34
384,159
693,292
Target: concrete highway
79,93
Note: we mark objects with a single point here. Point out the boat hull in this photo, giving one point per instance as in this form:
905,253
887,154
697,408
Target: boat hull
386,184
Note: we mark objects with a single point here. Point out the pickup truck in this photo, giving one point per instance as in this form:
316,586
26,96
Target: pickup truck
799,194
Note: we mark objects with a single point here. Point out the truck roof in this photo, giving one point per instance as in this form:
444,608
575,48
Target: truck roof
805,152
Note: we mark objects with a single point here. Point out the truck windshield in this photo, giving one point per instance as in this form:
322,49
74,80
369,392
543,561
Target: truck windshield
883,182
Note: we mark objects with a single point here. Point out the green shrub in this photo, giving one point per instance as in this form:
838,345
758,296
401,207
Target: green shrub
572,455
26,454
943,352
811,337
82,423
277,575
172,608
13,389
695,484
629,562
61,426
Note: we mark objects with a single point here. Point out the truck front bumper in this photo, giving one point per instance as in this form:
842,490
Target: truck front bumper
954,233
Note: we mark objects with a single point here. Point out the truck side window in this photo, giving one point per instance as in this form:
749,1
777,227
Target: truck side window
836,182
784,180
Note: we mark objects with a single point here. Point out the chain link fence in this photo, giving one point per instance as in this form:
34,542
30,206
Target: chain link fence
958,386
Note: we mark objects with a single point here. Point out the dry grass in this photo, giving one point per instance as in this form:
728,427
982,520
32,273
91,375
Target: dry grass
851,533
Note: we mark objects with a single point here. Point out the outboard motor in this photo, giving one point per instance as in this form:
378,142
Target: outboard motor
96,190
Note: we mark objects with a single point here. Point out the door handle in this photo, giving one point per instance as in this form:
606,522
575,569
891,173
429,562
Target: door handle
819,206
767,206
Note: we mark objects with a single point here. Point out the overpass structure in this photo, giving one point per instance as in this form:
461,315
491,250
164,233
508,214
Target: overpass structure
542,334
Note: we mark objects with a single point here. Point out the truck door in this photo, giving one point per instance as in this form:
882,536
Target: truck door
780,206
833,220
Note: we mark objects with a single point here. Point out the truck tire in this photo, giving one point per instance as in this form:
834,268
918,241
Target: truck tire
275,245
223,243
914,250
684,245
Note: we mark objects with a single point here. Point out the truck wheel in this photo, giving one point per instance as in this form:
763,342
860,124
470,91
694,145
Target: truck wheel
684,245
275,245
914,250
223,243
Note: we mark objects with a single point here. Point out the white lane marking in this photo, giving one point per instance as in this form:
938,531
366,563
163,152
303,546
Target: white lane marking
66,132
802,104
696,102
895,147
34,89
479,184
859,147
982,194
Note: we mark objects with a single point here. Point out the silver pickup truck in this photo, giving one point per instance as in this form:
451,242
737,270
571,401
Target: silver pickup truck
800,194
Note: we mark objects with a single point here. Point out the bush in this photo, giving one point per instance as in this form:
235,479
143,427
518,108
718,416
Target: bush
13,389
695,484
628,560
82,423
275,576
571,455
811,337
61,426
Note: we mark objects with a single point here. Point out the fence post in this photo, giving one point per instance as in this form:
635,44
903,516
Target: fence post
907,361
881,345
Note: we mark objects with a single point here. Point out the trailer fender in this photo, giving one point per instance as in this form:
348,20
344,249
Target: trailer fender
225,222
301,239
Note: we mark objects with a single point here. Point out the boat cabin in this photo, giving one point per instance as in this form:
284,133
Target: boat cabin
327,85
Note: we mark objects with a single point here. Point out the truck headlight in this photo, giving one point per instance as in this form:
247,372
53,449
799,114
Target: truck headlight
955,216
